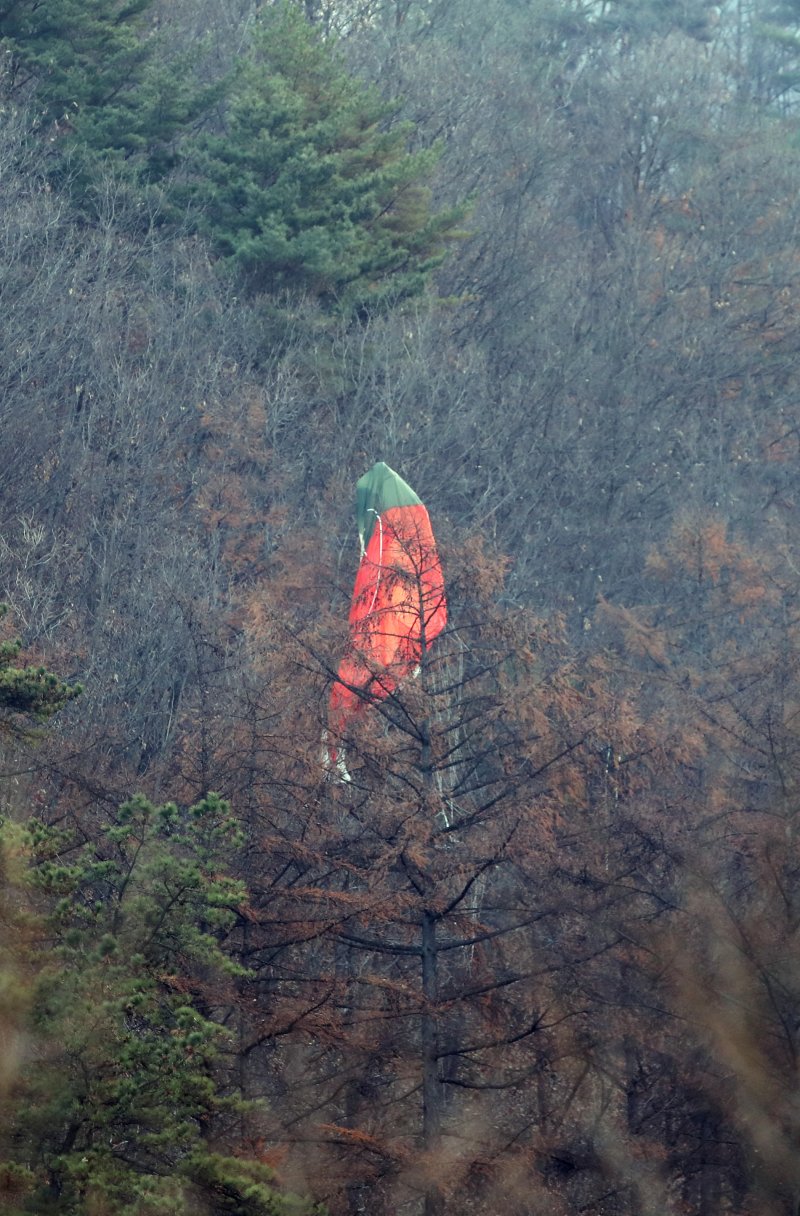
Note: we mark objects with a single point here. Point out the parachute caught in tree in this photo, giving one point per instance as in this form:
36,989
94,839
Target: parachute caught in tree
398,604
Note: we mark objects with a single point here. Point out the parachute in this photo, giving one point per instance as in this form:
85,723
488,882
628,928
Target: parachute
398,604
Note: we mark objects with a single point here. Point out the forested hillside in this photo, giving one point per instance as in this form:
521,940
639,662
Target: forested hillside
540,954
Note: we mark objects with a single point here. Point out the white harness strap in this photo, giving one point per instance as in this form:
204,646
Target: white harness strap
380,560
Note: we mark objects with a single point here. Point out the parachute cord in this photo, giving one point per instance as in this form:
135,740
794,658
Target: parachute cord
380,561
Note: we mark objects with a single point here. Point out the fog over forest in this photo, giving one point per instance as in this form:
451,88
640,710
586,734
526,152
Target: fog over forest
540,955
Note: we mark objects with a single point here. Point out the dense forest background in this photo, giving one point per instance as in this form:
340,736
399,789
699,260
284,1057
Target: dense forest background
541,955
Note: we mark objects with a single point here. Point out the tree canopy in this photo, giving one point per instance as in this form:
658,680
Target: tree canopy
117,1105
309,184
107,88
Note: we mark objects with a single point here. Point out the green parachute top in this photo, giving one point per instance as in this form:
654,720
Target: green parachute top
377,491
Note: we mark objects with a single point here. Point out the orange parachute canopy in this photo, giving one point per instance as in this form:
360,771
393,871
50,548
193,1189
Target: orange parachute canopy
398,605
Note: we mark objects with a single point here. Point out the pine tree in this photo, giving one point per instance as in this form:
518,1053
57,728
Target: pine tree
648,18
105,85
29,690
118,1107
776,29
310,185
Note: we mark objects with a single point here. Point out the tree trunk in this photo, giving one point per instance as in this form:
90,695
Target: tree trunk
431,1082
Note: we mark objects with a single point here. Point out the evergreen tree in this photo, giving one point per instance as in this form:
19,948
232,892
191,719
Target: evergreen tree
103,80
776,29
117,1108
648,18
310,185
29,690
